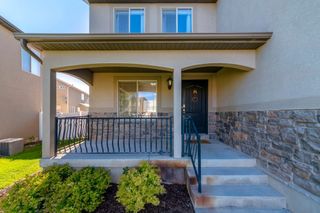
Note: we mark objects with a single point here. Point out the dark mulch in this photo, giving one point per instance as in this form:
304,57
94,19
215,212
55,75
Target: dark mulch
176,200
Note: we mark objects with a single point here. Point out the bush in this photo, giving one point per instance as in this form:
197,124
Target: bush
58,189
83,191
30,194
139,186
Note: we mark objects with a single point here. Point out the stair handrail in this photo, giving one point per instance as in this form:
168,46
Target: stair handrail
193,147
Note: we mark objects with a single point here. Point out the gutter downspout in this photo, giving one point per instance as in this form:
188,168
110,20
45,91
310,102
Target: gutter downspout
24,45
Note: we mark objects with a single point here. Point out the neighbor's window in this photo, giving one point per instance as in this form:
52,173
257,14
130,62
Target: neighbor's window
129,20
25,61
29,64
177,20
82,96
137,98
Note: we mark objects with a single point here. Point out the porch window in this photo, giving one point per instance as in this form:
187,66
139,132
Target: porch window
129,20
177,20
137,98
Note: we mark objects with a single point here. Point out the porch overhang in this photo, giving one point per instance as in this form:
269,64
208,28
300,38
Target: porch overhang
146,41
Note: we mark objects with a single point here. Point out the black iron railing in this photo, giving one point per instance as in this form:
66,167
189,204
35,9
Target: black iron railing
192,146
114,135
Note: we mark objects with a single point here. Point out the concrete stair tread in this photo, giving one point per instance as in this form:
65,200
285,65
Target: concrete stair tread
224,171
241,190
240,210
241,162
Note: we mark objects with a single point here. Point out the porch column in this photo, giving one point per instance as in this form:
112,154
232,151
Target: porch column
177,141
49,112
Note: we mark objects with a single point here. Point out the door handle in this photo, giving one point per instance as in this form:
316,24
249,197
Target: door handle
183,108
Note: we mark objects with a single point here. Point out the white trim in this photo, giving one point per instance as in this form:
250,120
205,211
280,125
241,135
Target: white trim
129,16
176,8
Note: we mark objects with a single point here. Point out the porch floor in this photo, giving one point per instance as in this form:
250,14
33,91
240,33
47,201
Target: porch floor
214,150
214,153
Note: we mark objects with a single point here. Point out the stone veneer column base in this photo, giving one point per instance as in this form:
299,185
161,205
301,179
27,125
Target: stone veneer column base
286,143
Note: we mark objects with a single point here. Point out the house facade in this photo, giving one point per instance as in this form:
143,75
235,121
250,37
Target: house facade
245,73
71,100
20,86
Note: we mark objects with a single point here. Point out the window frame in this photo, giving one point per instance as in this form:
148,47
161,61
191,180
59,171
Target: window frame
176,8
129,18
137,88
22,61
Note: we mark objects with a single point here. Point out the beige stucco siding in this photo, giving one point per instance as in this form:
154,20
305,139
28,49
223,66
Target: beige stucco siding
20,101
287,69
102,16
104,92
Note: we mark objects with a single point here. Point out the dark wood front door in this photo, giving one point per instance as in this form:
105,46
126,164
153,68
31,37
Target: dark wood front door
195,102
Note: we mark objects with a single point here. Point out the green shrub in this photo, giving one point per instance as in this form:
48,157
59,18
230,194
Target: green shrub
82,191
139,186
30,194
58,189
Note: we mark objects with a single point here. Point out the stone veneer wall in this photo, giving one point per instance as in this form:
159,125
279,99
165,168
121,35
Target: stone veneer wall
285,142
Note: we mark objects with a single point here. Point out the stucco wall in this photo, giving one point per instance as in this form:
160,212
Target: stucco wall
104,92
102,17
20,101
287,67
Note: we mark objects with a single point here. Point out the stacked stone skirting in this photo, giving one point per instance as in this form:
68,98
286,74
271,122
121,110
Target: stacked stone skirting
285,142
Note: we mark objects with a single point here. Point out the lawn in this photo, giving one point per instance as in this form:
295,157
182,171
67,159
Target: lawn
18,166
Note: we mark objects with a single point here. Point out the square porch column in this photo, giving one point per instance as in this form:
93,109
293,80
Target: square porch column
49,112
177,88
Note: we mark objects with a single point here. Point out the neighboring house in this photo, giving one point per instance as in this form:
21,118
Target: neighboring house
71,100
243,72
20,87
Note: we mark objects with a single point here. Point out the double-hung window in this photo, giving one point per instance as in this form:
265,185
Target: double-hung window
137,97
177,20
129,20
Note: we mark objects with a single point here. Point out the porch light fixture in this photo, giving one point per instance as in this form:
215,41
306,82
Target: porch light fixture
170,82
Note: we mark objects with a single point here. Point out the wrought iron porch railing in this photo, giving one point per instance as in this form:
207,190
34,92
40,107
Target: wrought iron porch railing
113,135
192,146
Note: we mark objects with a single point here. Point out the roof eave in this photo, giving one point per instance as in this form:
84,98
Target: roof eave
145,41
9,26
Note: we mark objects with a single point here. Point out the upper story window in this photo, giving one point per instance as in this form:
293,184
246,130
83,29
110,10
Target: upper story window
25,61
177,20
130,20
29,64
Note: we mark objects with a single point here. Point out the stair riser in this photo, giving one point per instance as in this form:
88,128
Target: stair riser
227,163
230,179
241,202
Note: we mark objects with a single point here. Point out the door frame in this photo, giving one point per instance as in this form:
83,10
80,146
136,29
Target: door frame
207,101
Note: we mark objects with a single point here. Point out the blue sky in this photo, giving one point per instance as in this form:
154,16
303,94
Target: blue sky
48,16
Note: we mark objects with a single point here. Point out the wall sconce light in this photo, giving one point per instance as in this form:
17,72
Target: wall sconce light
170,82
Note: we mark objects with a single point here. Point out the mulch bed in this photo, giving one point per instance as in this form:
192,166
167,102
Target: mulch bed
176,200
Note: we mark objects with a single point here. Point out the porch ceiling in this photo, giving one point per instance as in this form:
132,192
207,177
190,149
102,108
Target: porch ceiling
146,41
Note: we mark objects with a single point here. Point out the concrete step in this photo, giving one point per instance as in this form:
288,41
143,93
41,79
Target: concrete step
242,196
241,210
242,162
228,175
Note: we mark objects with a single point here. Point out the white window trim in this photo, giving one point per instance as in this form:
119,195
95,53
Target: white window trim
176,8
135,80
129,9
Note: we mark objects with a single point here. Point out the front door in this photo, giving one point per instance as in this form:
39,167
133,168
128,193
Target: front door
195,102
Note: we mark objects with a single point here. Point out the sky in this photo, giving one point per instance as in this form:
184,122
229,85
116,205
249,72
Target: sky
49,16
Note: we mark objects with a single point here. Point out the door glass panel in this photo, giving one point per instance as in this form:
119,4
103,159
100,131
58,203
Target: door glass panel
169,20
184,20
